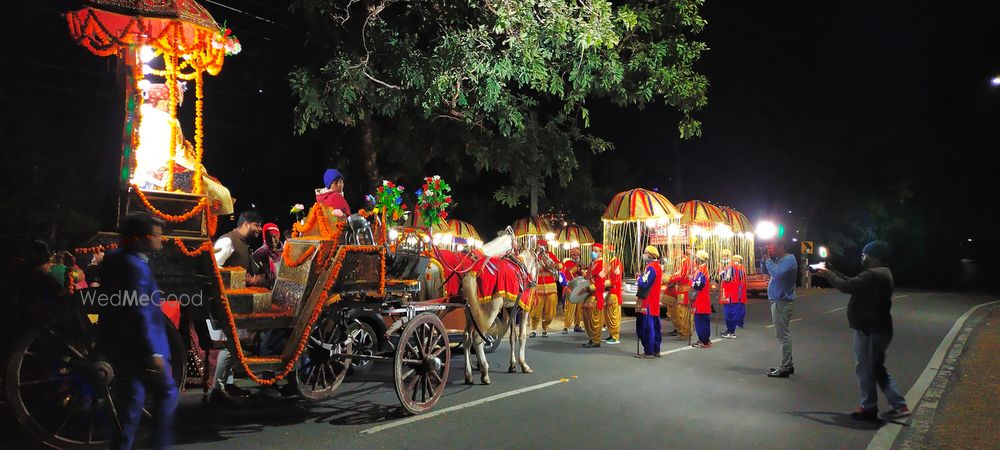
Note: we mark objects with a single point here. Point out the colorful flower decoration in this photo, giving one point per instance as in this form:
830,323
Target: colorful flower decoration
433,201
298,210
388,199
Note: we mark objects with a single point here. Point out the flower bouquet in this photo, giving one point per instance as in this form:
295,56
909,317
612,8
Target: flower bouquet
433,201
298,210
388,199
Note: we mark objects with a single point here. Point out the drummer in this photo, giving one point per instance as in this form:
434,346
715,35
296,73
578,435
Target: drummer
571,311
592,308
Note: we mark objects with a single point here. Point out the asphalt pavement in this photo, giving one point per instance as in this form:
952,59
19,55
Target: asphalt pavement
604,398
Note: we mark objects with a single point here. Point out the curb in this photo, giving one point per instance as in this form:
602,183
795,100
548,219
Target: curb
923,418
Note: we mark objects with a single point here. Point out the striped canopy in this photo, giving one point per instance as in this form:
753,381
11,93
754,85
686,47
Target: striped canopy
639,205
738,221
463,230
413,221
696,212
574,233
532,226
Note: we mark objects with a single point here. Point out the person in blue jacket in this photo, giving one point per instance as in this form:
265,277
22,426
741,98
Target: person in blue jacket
783,269
135,333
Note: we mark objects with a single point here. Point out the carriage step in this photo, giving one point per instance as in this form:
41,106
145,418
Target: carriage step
263,321
233,277
249,300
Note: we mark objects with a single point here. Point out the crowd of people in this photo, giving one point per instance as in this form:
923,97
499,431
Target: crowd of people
143,357
687,295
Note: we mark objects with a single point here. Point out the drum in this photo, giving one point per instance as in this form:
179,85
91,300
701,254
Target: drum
579,290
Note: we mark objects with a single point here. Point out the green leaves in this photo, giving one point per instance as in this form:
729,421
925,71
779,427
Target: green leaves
517,74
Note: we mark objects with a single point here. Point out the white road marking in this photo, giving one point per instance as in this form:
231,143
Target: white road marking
887,434
796,320
835,310
439,412
684,348
900,296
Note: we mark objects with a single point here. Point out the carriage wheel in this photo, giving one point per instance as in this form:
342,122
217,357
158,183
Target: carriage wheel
422,361
60,387
320,372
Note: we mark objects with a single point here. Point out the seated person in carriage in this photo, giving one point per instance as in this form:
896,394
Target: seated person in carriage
152,156
332,195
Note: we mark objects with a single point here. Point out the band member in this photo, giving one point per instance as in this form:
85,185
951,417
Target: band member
546,293
680,284
613,301
593,316
572,317
739,303
701,287
647,308
733,283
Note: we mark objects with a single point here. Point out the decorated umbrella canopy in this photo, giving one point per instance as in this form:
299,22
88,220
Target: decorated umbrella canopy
706,227
189,42
639,205
529,230
464,232
413,221
635,219
573,236
743,238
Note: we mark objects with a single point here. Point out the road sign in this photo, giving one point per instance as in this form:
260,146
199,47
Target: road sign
807,247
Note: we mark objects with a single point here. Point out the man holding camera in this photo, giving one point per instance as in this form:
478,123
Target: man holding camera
783,268
868,312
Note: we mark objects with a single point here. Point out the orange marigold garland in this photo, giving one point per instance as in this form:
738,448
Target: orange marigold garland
213,221
202,204
96,249
286,256
199,131
204,247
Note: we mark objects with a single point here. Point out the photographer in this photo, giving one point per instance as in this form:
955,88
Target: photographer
868,312
782,267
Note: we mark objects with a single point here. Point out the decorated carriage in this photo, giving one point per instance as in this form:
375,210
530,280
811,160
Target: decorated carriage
60,384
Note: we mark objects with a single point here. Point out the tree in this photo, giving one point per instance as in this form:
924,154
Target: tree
510,78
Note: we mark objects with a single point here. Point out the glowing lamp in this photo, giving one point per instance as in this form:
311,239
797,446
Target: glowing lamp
767,230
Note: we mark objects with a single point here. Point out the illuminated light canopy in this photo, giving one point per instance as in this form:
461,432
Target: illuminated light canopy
393,234
723,231
550,236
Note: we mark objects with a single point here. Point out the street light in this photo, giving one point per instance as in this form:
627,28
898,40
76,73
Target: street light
823,253
767,230
995,81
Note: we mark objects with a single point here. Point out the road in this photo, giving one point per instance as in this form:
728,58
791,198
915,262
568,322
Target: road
602,398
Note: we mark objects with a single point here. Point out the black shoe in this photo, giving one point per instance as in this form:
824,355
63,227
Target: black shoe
869,415
591,345
673,333
779,372
790,369
235,391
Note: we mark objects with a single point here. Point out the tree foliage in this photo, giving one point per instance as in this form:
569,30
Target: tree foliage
512,76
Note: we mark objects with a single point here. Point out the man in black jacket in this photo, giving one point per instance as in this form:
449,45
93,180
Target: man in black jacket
868,313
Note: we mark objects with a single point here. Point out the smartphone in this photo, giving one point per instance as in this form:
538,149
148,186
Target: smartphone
813,268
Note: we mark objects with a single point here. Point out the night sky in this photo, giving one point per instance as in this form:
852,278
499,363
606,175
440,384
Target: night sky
813,107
